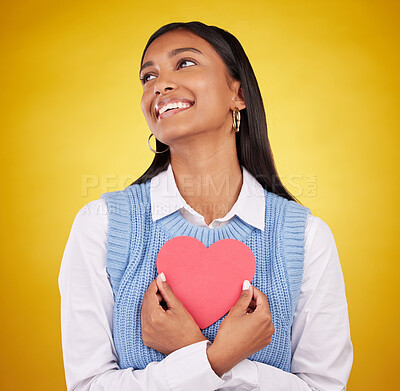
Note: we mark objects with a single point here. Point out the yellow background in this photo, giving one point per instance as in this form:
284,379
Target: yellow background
72,128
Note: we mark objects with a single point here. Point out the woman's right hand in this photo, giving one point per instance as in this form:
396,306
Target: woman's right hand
246,329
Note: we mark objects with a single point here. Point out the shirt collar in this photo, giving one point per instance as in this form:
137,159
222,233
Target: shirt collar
166,199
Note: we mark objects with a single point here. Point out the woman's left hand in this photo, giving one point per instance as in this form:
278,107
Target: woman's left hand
166,330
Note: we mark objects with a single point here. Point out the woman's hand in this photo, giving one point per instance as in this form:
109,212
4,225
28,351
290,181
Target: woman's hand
166,324
246,329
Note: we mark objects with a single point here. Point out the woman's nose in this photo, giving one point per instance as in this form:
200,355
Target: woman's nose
164,84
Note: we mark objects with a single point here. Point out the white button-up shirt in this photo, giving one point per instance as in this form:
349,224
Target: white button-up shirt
322,352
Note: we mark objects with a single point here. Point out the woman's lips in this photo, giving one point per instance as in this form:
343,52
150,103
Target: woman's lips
168,113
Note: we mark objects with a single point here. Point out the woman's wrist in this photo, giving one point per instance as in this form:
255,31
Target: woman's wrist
218,361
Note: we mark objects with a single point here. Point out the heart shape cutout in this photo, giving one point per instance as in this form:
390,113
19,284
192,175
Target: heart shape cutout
208,281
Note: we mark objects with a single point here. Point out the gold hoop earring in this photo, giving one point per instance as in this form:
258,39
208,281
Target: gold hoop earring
151,149
236,119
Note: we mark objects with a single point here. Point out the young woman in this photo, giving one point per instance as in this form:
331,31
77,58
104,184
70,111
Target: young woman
213,177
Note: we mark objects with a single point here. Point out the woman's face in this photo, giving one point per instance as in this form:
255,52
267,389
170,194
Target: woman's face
186,88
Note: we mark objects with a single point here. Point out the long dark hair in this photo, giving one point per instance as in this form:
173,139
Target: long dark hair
252,143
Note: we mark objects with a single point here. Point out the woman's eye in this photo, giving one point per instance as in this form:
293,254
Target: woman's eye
186,63
182,64
146,78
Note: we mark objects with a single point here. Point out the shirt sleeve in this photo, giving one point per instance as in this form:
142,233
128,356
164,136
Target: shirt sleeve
87,303
322,352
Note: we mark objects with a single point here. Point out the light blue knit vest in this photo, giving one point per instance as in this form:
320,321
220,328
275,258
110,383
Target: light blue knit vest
134,240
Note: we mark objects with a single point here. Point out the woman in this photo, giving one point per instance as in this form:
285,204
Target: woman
212,177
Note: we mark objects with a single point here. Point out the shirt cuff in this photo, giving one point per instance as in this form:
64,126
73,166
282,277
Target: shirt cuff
188,368
243,376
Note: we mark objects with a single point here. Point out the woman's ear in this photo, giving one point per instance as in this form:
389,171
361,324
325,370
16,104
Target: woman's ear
238,99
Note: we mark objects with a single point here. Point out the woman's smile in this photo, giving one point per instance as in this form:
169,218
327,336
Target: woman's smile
167,107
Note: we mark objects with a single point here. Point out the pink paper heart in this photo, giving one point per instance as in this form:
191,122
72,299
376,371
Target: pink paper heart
208,281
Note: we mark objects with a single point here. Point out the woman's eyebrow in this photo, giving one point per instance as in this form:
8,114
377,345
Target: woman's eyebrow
172,53
180,50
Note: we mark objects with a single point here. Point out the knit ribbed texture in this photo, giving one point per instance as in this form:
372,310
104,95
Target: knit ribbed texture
134,241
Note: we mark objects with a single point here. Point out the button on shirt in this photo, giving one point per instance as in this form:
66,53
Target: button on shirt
322,352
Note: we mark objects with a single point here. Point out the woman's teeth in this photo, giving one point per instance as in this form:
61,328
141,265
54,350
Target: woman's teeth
170,106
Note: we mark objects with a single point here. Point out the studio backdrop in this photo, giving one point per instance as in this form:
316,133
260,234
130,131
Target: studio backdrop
72,129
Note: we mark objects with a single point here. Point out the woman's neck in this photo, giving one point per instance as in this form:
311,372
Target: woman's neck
209,181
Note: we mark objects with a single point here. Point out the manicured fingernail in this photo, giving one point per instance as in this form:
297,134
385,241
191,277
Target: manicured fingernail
163,277
246,284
